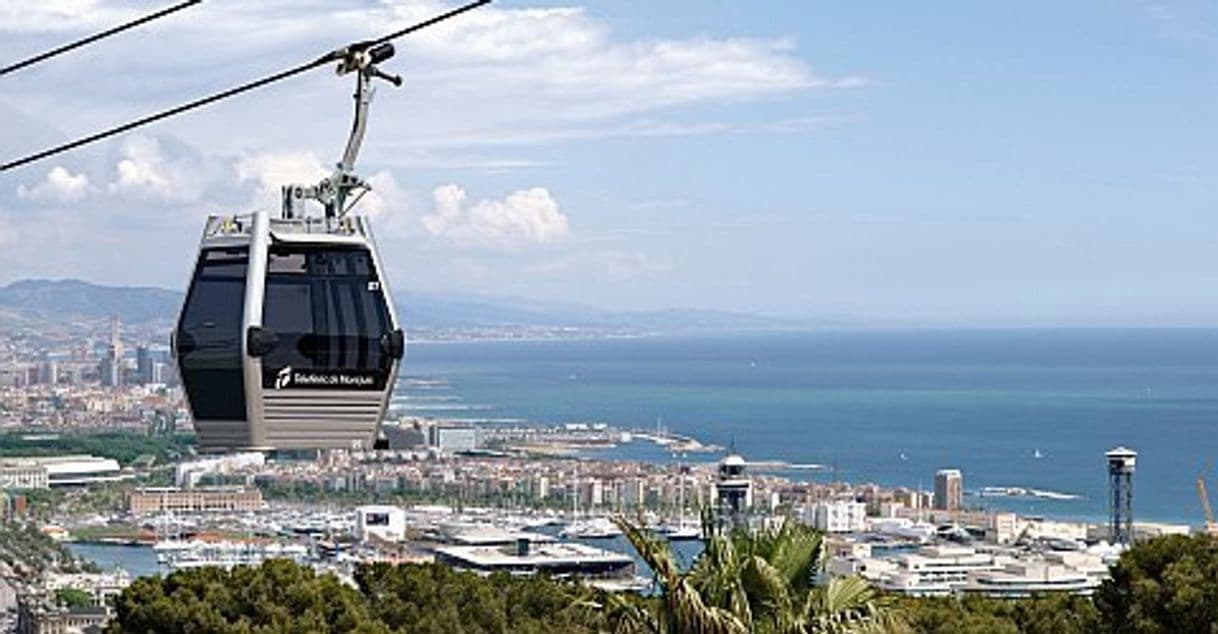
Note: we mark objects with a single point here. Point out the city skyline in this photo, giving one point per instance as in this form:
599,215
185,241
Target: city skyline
1031,165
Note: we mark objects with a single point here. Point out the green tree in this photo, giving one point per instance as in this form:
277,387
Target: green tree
754,581
431,598
73,597
1163,585
123,446
1048,614
278,596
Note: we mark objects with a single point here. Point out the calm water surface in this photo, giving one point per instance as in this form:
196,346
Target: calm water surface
888,407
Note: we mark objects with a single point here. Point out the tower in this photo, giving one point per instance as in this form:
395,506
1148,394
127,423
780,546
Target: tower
1121,462
110,369
949,490
143,365
116,342
734,491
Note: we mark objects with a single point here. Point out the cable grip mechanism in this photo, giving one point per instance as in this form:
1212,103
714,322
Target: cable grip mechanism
362,59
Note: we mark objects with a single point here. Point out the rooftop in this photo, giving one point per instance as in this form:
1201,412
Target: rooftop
539,555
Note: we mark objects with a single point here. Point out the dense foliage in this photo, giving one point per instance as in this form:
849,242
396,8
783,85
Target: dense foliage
433,599
747,582
125,447
281,596
1163,585
1052,614
73,597
298,491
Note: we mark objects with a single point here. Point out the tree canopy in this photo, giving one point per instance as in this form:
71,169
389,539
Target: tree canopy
278,596
1050,614
281,596
1163,585
761,581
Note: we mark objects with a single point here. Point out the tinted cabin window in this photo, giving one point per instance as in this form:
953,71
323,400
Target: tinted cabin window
209,336
326,307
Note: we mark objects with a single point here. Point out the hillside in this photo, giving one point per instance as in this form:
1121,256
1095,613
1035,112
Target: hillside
61,300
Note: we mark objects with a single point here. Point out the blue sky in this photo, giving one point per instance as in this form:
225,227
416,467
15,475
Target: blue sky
954,163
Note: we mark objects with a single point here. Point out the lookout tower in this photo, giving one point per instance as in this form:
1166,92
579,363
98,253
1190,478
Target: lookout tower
1121,463
733,490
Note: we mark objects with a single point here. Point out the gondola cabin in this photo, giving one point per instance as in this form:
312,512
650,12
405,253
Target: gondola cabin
287,338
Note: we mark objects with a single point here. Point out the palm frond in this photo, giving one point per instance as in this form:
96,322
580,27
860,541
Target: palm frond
684,607
797,553
717,577
691,614
628,617
850,605
769,595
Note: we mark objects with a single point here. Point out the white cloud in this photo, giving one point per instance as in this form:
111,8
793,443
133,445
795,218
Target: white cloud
162,169
274,169
387,202
142,168
528,216
483,91
271,171
563,57
60,185
59,15
385,193
495,75
640,128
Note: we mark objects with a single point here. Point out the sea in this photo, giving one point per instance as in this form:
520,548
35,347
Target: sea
1034,409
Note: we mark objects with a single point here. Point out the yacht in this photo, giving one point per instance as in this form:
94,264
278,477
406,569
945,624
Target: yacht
594,528
680,532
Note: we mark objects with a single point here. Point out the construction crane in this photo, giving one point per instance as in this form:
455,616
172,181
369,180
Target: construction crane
1211,527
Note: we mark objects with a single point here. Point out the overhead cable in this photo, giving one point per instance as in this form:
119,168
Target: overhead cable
335,55
97,36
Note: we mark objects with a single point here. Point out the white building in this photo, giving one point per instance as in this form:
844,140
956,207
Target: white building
449,440
385,523
903,528
840,516
932,571
592,493
1022,579
954,570
48,471
77,470
526,558
102,587
22,476
188,474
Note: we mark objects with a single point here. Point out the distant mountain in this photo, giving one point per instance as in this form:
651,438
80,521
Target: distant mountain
53,299
65,299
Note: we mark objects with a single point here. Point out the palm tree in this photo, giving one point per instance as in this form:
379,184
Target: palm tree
683,607
753,581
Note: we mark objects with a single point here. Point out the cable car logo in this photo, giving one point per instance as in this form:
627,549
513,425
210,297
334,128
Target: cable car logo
284,378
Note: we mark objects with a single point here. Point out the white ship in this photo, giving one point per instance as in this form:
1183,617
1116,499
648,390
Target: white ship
178,555
680,532
594,528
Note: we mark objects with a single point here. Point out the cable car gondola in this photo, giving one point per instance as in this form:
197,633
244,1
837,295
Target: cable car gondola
287,338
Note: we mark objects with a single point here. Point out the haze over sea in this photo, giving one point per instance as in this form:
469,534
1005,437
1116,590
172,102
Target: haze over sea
889,407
